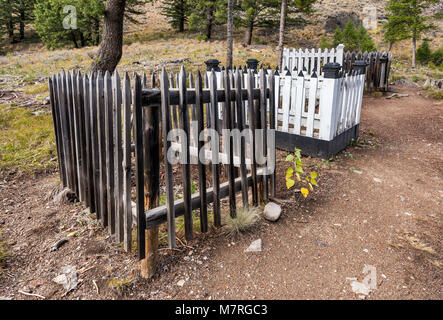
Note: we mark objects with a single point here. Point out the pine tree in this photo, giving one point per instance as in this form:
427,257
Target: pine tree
353,38
49,19
177,13
24,12
406,20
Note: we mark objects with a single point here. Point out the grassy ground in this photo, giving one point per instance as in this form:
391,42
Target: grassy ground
26,141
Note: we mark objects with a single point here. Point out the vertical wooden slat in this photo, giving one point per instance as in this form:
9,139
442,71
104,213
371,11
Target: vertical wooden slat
186,172
228,118
240,127
54,108
64,116
166,126
201,166
287,86
272,127
101,110
300,101
139,168
264,127
215,148
127,207
252,127
109,143
311,105
95,147
88,146
118,155
77,88
72,124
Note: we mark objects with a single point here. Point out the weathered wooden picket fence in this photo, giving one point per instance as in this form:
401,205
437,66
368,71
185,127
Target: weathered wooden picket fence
100,119
378,63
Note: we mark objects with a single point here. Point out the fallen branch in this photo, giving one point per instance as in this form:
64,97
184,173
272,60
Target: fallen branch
31,294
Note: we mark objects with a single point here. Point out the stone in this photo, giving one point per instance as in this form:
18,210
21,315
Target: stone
181,283
272,212
256,246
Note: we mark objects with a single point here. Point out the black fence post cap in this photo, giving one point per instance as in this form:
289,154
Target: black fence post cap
212,64
360,66
331,70
252,64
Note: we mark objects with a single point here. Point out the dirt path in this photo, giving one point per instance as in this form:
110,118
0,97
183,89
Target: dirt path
378,205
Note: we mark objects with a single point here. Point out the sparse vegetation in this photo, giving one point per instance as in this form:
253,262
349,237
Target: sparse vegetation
244,220
27,141
296,169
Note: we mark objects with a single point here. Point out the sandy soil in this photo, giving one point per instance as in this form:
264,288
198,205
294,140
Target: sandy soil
377,205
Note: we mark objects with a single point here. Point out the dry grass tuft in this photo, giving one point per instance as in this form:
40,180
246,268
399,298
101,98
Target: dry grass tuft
418,244
244,221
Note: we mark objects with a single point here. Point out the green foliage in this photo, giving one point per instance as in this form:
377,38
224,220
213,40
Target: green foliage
49,18
354,38
177,13
406,19
437,57
324,43
296,170
424,53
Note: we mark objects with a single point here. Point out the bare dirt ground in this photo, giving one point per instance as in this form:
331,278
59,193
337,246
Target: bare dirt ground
377,204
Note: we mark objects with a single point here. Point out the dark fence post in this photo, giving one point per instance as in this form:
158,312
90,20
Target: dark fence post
151,164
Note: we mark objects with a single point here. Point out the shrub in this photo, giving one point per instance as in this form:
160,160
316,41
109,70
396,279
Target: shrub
424,53
437,57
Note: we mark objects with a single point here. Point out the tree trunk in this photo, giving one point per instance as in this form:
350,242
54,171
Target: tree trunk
110,51
390,46
11,30
249,30
414,48
22,24
181,24
74,39
209,21
281,36
230,37
96,32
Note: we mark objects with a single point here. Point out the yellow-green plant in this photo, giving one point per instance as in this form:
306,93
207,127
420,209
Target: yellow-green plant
296,170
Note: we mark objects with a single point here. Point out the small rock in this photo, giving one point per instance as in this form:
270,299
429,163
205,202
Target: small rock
181,283
357,171
407,213
365,250
256,246
402,198
272,212
377,180
322,244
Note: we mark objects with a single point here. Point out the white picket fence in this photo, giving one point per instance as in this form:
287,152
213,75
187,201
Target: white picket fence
318,107
315,106
311,60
